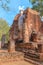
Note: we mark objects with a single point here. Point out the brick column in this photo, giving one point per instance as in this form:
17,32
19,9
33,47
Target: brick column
40,47
41,52
11,45
25,33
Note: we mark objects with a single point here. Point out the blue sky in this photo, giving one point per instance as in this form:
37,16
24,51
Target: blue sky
14,9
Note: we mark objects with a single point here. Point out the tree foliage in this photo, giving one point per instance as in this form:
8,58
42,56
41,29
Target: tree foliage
4,4
4,27
37,5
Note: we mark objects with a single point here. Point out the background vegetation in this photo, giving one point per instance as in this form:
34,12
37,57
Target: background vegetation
37,5
4,28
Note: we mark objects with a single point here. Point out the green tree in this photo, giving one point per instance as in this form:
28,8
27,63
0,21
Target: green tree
4,27
37,5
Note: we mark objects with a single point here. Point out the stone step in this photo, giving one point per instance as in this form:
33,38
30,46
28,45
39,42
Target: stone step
33,61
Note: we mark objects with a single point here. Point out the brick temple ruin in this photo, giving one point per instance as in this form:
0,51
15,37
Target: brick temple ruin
26,33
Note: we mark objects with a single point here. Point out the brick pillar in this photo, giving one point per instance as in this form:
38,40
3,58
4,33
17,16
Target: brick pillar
37,22
40,47
27,27
41,57
11,46
41,52
25,33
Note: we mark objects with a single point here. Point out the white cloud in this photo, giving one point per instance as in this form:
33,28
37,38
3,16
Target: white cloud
21,7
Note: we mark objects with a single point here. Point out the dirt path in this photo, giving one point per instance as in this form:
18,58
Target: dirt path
16,63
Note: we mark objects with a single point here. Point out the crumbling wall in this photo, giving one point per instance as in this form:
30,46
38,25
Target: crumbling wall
13,34
31,24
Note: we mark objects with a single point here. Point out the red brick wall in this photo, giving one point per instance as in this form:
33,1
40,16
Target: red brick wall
32,20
